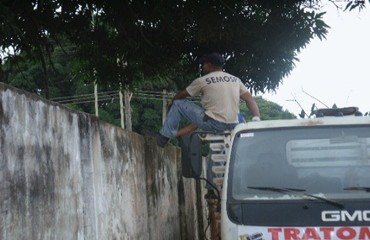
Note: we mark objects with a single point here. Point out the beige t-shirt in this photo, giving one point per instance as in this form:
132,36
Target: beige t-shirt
220,92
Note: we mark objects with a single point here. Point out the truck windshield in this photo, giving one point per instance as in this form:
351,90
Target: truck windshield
329,162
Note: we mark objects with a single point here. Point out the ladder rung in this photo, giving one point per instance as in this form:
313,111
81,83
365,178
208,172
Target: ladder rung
217,146
218,157
218,181
218,169
213,137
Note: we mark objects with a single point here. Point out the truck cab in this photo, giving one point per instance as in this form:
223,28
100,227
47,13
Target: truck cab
297,179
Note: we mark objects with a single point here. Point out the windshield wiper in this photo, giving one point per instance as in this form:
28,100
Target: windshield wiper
366,189
277,189
299,192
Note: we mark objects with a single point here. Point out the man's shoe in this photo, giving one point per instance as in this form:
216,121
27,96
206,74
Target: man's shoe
161,140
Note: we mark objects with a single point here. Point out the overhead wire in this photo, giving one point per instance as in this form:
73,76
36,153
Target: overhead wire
109,95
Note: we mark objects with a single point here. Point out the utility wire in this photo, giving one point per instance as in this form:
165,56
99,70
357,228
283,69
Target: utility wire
111,95
315,98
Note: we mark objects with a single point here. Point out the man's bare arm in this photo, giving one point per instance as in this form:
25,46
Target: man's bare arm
251,104
179,95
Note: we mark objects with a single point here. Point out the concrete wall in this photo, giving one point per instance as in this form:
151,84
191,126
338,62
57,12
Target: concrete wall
66,175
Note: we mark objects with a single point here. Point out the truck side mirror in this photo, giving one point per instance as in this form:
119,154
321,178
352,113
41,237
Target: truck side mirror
191,156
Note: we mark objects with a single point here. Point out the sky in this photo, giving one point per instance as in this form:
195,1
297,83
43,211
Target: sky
335,70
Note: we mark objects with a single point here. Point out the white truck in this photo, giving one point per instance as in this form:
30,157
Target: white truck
290,179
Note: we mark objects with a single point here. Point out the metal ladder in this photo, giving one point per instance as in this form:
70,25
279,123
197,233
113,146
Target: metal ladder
216,159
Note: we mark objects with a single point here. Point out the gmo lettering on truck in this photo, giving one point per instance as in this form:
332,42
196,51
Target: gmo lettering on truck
343,216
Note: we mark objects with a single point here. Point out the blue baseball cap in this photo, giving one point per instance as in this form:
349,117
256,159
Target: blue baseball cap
213,58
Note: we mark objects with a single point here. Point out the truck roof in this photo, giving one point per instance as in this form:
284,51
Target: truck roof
344,120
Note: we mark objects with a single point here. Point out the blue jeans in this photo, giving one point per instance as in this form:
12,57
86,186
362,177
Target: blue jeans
185,109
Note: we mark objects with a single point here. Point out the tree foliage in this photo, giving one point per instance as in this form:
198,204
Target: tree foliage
355,4
125,42
269,110
70,88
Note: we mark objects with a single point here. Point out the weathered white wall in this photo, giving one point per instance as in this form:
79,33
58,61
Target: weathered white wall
66,175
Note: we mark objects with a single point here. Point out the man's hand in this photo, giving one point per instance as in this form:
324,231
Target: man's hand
256,119
180,95
169,105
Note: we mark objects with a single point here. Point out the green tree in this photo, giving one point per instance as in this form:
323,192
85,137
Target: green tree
146,115
355,4
26,72
122,42
67,82
269,110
